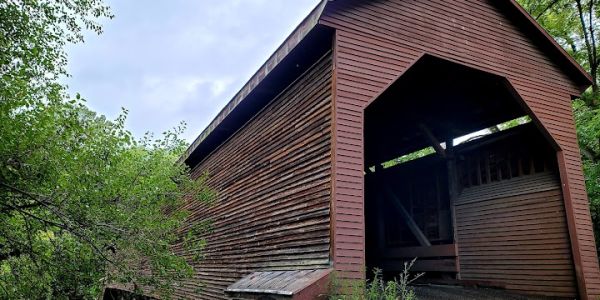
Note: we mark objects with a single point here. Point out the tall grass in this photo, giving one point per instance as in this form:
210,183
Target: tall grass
377,288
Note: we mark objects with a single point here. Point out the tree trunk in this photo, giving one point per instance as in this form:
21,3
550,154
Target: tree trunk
595,89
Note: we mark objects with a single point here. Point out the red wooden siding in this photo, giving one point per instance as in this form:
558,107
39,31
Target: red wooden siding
513,234
273,179
377,40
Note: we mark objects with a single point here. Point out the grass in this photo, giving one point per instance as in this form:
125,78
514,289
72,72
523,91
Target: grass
377,288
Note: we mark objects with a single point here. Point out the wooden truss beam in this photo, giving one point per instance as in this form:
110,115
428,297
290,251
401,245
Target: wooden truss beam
453,193
414,228
433,140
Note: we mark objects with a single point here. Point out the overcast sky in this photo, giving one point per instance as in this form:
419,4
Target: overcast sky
173,60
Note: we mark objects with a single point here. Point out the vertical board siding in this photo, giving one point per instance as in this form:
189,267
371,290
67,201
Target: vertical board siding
378,40
514,234
273,180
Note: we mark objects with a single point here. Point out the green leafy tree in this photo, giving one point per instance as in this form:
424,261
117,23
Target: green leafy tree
575,25
82,203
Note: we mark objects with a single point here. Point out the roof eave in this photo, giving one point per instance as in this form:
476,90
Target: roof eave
282,51
584,81
585,78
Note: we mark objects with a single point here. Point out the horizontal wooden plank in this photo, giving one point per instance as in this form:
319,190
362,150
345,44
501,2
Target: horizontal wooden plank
522,226
273,198
421,265
421,252
376,41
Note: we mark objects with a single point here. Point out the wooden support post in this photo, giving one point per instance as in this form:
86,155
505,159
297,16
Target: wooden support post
469,170
520,166
531,166
479,179
377,182
509,168
486,165
434,142
414,228
380,225
453,193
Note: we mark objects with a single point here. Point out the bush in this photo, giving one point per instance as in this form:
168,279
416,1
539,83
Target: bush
377,288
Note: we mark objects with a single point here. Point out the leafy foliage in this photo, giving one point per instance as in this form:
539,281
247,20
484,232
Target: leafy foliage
408,157
588,133
82,202
575,25
377,288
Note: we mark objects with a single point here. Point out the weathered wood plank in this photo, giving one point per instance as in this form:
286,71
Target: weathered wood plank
273,181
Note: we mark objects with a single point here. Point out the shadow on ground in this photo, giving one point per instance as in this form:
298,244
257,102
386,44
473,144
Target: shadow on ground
446,292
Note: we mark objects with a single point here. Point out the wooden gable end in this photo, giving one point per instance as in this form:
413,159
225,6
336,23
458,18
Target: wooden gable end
376,41
488,35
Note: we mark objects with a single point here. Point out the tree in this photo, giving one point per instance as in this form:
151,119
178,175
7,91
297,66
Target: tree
575,25
82,203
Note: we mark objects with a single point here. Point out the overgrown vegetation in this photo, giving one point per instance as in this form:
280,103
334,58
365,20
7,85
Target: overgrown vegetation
408,157
82,202
377,288
575,25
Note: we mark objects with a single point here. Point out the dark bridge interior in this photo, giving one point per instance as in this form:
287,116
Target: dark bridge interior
409,203
450,99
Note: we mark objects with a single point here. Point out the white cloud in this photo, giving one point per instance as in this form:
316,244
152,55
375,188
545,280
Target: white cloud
219,86
174,93
168,61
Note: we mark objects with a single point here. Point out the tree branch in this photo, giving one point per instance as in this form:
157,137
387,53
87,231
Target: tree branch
546,9
592,34
38,198
21,207
65,226
40,219
589,153
532,7
584,28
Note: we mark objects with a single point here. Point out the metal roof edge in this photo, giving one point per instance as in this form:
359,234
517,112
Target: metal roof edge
300,33
280,53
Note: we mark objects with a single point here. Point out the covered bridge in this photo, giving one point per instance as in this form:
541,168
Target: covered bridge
315,168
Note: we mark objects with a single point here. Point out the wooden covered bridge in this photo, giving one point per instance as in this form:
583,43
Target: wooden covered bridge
300,157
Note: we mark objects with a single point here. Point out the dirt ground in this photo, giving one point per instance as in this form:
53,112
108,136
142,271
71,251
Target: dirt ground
445,292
